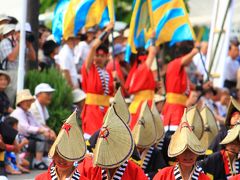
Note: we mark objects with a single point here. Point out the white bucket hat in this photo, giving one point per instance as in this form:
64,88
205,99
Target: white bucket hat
43,87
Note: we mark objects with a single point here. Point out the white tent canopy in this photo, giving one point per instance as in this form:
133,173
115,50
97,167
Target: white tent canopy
201,12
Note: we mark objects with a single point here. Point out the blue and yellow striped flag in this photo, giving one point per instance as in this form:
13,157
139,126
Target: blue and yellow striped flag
141,23
171,21
93,12
58,19
69,18
167,17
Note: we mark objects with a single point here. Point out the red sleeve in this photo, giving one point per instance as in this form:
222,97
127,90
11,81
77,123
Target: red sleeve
136,171
163,174
43,176
143,79
85,166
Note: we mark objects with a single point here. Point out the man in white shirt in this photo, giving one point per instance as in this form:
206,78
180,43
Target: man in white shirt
199,59
43,97
82,49
67,64
231,68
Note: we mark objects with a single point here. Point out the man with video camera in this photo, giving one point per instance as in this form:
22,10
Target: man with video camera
9,50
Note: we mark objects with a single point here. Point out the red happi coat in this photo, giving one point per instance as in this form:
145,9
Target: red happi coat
92,115
132,172
237,177
176,82
168,174
140,78
47,176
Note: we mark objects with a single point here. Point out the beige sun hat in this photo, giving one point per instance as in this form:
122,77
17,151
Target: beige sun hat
234,106
210,126
195,120
115,144
158,123
78,95
24,95
6,75
184,138
69,144
121,107
232,134
144,132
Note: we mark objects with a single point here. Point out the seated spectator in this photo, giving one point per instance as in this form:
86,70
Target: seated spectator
43,93
15,160
5,108
29,127
79,97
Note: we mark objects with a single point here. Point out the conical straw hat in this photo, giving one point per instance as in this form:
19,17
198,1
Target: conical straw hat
232,134
158,123
233,107
144,132
115,143
210,126
70,144
183,139
195,121
121,107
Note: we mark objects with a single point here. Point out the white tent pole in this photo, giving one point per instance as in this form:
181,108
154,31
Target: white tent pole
21,63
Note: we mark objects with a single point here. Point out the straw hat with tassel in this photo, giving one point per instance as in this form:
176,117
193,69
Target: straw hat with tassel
234,106
158,123
232,135
69,144
115,143
210,126
184,138
195,121
144,132
121,107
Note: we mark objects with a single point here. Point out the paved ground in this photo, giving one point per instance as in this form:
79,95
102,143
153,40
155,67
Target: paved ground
30,176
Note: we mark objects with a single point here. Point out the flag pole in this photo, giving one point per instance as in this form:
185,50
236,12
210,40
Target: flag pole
21,69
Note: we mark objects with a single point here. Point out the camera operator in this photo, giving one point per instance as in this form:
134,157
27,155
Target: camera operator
9,54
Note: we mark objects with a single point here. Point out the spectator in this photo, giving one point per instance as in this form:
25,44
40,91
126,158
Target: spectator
28,125
43,93
14,162
9,51
200,59
50,50
66,62
231,67
116,67
79,97
82,49
5,107
43,34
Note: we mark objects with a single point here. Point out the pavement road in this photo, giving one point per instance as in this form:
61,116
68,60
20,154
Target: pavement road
30,176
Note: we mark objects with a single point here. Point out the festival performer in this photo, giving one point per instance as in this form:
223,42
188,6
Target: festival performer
186,147
145,136
225,163
140,81
67,148
97,83
114,147
233,115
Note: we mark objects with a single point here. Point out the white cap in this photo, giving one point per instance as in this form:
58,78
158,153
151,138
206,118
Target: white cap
8,28
27,27
78,95
43,87
126,33
4,17
115,35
